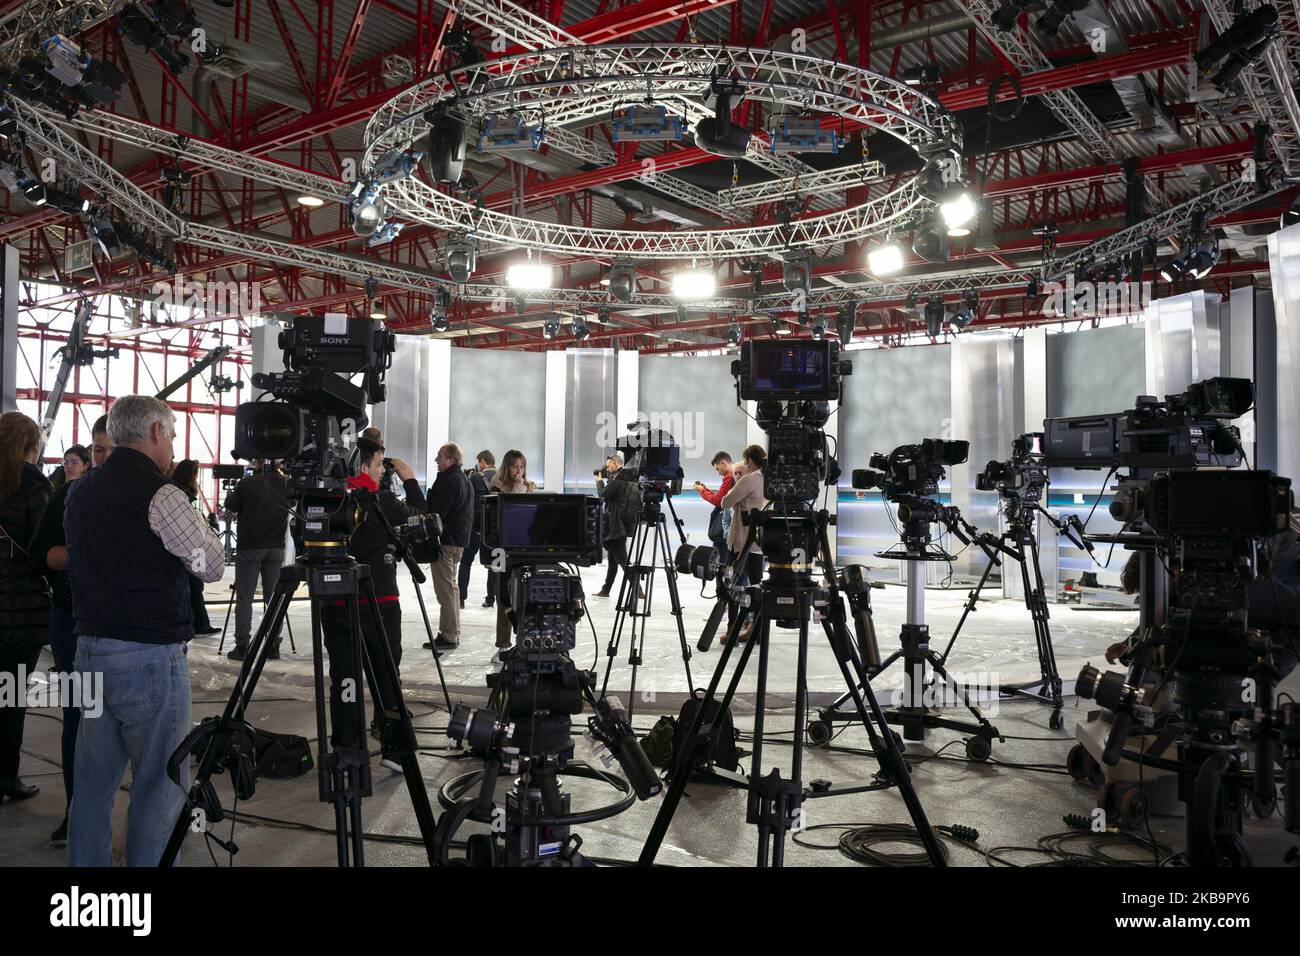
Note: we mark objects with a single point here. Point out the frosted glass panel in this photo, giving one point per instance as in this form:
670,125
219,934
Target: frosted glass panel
591,422
1094,371
695,398
498,402
1284,260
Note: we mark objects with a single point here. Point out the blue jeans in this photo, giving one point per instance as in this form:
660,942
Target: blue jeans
146,714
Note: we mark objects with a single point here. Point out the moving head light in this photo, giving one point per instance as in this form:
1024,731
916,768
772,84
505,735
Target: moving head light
716,134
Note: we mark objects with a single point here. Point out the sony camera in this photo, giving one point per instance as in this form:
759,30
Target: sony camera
1023,476
911,470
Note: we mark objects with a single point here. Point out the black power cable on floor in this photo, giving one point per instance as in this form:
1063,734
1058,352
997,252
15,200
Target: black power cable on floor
861,842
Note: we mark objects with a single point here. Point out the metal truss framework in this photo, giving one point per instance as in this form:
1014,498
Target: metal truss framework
1270,87
1065,104
579,84
36,20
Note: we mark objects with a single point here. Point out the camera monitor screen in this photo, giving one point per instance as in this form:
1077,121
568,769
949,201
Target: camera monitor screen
542,523
790,370
1222,502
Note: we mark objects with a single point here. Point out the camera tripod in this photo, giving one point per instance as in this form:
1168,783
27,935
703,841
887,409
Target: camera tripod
788,598
636,594
226,742
1019,544
913,713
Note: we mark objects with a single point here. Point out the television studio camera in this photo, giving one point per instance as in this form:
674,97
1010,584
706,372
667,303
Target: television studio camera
1020,483
524,728
316,407
908,477
1207,537
1216,531
793,384
652,460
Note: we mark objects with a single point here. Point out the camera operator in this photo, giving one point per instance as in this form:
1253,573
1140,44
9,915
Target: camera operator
479,476
261,508
618,520
133,539
720,517
452,499
371,545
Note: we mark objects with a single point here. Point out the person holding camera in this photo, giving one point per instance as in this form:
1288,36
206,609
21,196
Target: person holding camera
261,508
720,517
133,539
452,499
372,544
24,596
618,517
479,476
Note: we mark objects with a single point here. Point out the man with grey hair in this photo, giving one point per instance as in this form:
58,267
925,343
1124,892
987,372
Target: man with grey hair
132,540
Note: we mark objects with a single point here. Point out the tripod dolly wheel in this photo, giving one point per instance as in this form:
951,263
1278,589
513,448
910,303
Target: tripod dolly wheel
978,748
819,732
1108,799
1133,809
1076,762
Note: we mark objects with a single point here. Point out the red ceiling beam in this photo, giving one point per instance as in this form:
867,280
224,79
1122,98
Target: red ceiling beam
339,67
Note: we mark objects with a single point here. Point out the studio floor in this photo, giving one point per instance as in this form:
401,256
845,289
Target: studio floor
1013,800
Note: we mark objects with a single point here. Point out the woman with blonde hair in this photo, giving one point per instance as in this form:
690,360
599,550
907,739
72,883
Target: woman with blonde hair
24,595
511,479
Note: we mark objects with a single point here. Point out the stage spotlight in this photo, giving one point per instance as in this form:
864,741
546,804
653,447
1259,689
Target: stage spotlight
521,305
818,329
682,313
461,258
311,202
622,282
926,74
508,132
957,213
734,334
912,301
646,124
105,235
937,181
34,190
694,283
802,134
716,134
581,331
366,209
796,274
550,327
1006,16
1032,289
529,274
446,147
602,316
934,314
1061,10
1248,32
397,164
438,314
377,310
964,314
781,327
385,233
1203,256
886,259
931,241
845,322
1175,267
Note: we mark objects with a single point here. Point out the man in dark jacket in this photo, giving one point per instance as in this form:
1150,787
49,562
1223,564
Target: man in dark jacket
372,545
261,506
478,476
452,499
618,521
133,539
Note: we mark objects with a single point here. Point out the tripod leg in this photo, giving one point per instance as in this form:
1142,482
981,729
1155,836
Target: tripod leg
437,658
670,572
711,625
965,698
395,723
680,773
626,593
230,605
1046,651
358,651
218,745
970,606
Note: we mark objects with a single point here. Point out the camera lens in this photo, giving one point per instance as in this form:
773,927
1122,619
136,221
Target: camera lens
268,430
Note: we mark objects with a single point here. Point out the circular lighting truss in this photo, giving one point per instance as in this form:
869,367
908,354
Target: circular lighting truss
576,86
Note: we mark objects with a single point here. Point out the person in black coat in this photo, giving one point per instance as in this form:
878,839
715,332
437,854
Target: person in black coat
24,595
618,521
452,499
478,476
